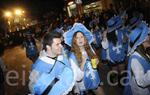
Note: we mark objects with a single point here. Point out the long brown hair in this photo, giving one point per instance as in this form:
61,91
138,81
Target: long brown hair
142,51
76,50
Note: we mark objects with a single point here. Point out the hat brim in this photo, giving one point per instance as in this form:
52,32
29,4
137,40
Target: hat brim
118,23
143,36
68,36
134,21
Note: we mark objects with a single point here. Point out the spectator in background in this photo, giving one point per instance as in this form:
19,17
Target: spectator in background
30,45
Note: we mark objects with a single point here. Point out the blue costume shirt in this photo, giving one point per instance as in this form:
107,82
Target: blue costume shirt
50,69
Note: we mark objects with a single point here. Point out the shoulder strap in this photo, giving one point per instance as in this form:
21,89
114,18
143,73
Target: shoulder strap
50,86
53,65
47,90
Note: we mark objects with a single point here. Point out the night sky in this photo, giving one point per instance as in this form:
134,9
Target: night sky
33,7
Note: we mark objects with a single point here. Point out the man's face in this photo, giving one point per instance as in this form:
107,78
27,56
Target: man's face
56,47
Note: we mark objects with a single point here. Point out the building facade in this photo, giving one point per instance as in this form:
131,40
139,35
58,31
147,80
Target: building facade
78,7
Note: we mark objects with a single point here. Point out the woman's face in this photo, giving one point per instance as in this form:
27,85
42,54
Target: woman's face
146,45
80,39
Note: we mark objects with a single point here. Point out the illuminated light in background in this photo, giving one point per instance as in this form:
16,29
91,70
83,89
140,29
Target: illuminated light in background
18,12
70,3
8,14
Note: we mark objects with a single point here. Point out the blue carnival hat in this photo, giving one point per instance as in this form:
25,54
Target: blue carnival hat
114,23
68,36
135,21
138,36
28,33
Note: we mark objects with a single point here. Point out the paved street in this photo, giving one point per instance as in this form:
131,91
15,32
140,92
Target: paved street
18,71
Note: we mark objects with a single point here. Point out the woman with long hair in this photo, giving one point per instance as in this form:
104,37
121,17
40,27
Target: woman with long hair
84,56
138,82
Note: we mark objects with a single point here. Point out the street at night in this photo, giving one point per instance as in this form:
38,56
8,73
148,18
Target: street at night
18,67
74,47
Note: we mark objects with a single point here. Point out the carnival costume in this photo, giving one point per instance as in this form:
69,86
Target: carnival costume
111,52
51,76
139,65
91,79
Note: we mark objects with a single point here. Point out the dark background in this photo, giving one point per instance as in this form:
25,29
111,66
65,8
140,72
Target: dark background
34,7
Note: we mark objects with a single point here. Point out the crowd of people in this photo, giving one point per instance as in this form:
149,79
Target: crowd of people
73,50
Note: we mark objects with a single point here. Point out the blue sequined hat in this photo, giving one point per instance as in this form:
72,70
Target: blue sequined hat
138,36
68,36
114,23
